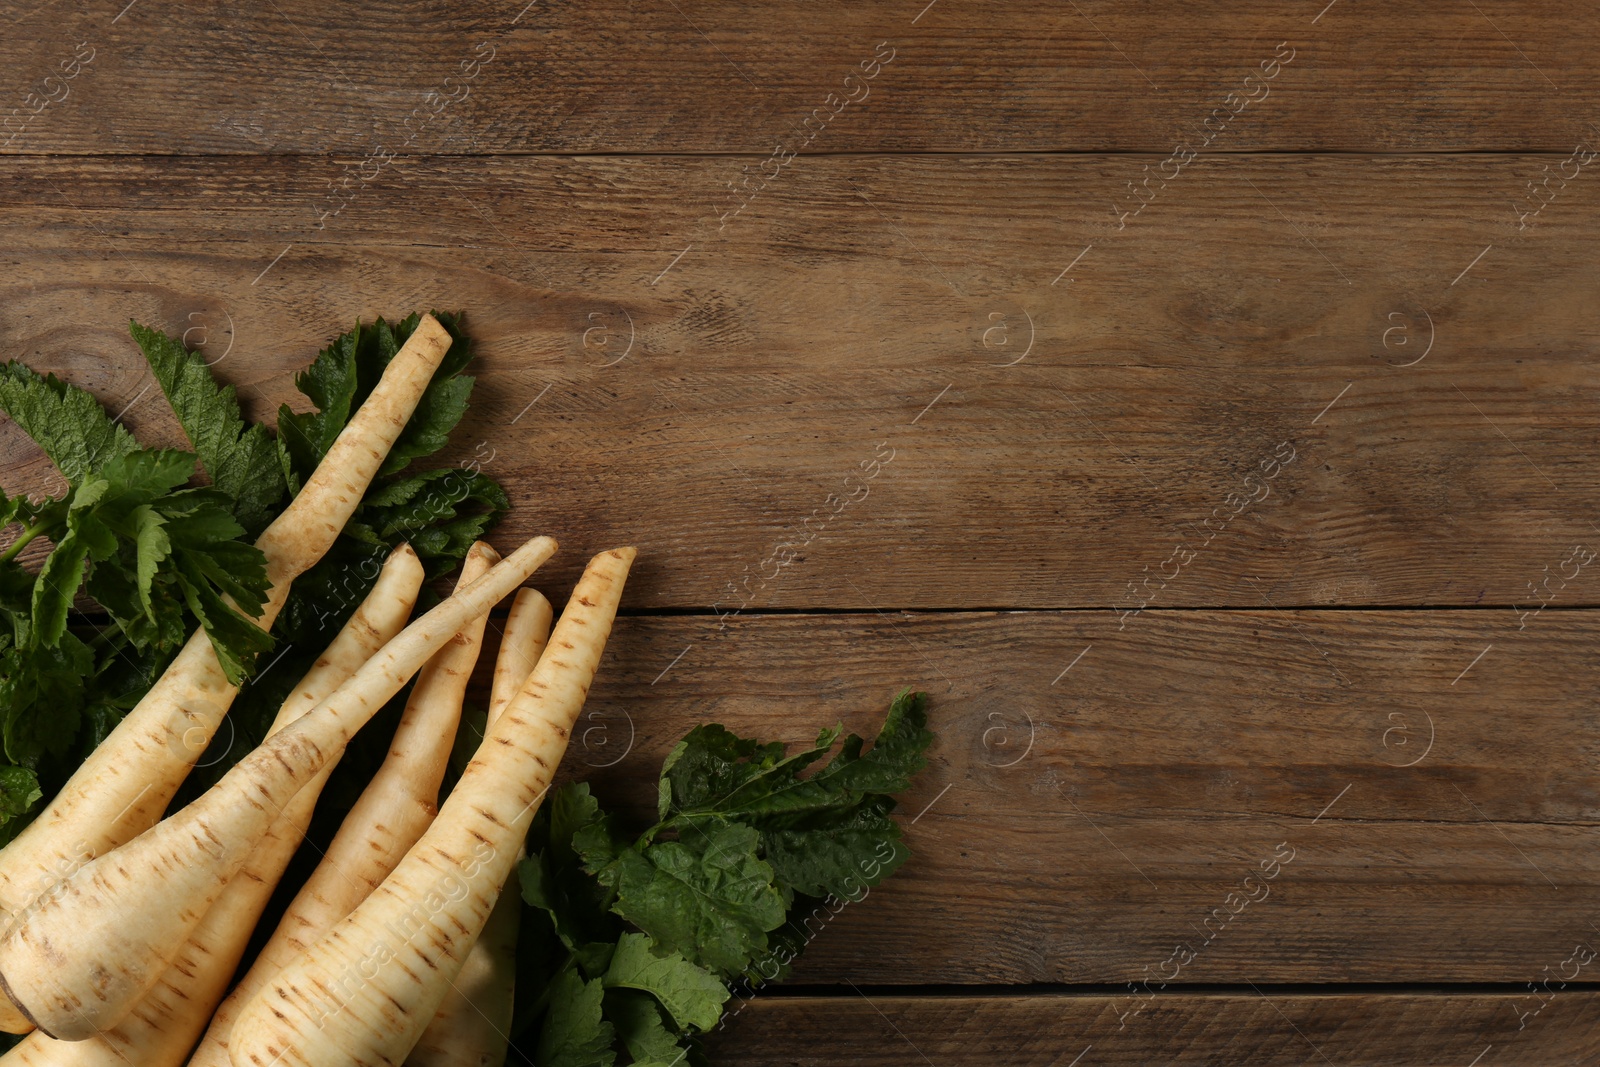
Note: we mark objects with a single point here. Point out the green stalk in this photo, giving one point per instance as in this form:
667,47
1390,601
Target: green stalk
21,542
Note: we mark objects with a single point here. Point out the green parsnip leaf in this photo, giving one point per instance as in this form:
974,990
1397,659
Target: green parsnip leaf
57,585
642,1029
713,771
895,758
440,513
152,548
241,459
330,384
19,788
708,894
837,856
575,1034
728,886
45,678
68,423
693,995
19,791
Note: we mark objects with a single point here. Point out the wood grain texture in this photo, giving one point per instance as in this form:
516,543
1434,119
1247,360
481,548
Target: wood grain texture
667,76
1077,830
726,417
1194,1030
985,336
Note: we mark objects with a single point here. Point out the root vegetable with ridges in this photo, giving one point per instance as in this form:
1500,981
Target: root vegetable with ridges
391,813
364,993
162,1027
127,782
471,1026
78,960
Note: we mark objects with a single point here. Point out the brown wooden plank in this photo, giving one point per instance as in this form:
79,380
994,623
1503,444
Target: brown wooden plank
670,76
1195,1030
1079,830
850,316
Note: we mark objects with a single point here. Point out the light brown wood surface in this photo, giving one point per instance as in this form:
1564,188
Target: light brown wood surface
866,310
1076,832
935,401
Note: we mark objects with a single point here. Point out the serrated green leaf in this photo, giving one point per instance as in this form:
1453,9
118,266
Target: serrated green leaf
642,1029
241,459
541,889
713,771
440,513
68,423
707,895
152,547
11,508
237,570
440,408
330,383
552,877
42,696
693,995
599,844
19,791
140,476
56,586
575,1033
896,756
837,856
595,957
236,639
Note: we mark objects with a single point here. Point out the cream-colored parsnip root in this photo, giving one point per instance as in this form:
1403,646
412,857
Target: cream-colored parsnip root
162,1027
391,813
127,782
473,1023
365,992
78,960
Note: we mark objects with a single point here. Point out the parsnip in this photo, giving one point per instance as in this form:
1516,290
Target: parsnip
473,1024
126,783
162,1028
393,810
363,994
526,634
78,960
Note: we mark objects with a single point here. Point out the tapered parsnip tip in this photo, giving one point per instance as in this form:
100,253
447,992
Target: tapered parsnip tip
403,561
626,554
544,547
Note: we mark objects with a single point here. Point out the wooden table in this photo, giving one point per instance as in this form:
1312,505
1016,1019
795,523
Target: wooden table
1210,490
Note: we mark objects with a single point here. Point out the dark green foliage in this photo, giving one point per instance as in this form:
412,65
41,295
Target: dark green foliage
633,941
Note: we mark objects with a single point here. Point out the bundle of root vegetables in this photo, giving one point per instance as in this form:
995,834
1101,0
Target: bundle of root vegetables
124,927
146,917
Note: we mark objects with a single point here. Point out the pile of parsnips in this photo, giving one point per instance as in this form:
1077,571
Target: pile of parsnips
122,929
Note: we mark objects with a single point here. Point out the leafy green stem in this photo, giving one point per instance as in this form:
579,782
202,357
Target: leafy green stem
43,526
